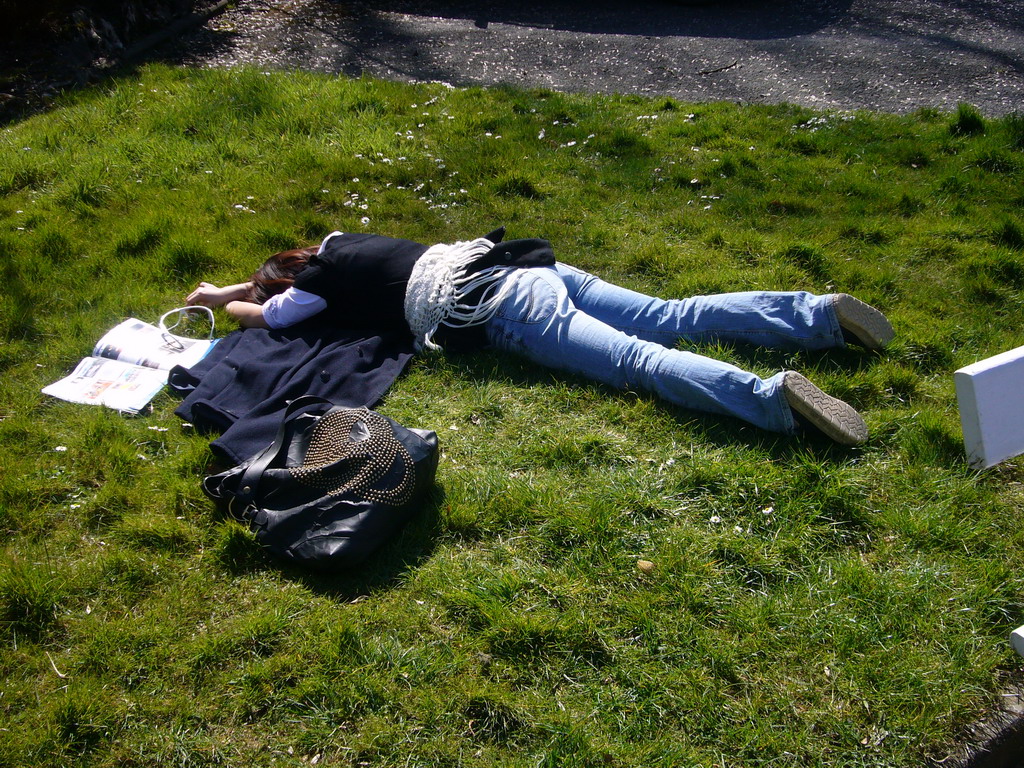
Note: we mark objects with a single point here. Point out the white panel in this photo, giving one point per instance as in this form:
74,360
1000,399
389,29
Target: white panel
990,394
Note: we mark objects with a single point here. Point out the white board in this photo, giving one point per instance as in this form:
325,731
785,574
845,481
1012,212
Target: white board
990,394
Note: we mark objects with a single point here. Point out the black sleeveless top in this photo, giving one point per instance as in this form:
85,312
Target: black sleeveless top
363,277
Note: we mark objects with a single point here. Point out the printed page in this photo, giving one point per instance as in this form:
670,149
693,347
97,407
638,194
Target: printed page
117,385
135,341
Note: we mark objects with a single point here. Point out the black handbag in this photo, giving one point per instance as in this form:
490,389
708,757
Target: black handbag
333,486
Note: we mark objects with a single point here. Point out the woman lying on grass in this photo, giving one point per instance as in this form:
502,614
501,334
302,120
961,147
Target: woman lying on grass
516,297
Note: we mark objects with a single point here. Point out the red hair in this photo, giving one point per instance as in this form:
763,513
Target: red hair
277,273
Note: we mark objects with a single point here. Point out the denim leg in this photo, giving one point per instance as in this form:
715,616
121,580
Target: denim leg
539,321
761,318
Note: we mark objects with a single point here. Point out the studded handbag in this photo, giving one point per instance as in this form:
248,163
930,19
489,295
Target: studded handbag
334,484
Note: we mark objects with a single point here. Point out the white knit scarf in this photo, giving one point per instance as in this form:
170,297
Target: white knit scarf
439,286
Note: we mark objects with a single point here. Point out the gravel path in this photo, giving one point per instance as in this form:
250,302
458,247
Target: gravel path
888,55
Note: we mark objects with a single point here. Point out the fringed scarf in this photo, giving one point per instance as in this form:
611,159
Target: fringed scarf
440,286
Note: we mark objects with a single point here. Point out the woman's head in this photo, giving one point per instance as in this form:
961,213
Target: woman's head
277,274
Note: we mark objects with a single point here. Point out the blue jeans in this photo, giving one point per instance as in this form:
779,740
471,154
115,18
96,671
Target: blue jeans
566,319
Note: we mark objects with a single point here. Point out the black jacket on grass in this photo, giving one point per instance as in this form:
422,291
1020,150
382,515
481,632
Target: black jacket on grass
243,385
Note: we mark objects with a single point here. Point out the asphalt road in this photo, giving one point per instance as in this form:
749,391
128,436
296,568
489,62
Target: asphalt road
887,55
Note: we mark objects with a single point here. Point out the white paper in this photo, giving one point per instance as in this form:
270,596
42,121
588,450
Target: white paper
129,367
117,385
135,341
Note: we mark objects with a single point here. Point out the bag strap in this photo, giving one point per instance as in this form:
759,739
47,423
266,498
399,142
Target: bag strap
250,481
182,313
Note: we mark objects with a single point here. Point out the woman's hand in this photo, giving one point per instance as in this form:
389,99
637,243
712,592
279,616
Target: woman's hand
206,295
232,298
209,295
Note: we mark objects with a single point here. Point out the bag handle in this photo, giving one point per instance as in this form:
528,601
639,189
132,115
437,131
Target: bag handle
250,481
182,313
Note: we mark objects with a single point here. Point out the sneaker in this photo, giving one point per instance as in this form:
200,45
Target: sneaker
861,323
829,415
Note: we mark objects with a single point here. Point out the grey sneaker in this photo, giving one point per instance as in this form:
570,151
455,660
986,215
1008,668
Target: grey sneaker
861,322
829,415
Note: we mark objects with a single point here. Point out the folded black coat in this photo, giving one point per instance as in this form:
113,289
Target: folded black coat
242,387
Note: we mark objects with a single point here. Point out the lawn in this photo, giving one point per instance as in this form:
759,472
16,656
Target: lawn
807,605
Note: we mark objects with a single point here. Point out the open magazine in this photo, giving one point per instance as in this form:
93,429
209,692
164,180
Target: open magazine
129,365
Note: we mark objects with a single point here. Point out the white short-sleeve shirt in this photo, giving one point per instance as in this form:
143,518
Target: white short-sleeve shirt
293,306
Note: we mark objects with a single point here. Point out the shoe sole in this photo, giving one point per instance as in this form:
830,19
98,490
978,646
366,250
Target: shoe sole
870,326
835,419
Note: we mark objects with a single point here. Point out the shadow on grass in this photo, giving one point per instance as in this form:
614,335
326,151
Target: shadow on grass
238,552
721,431
411,546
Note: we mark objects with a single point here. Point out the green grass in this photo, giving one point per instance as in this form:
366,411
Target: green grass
808,605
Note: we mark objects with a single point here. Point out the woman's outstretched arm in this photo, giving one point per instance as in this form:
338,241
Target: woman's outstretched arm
209,295
284,309
232,298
